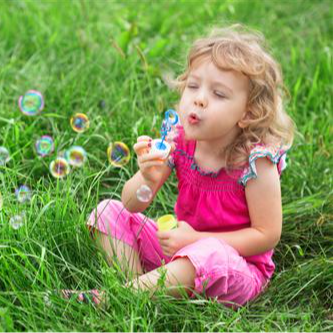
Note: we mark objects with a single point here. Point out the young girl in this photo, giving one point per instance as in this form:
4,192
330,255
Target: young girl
228,158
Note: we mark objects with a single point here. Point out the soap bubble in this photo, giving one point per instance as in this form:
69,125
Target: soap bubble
4,156
31,103
101,104
144,193
118,154
76,156
1,201
23,194
17,221
80,122
44,145
59,168
47,299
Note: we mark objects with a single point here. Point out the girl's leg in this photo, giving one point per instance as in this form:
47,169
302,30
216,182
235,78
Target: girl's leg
128,258
180,272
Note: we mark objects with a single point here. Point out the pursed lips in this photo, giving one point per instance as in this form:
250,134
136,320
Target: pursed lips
193,118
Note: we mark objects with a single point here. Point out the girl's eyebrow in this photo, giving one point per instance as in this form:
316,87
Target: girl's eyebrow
218,83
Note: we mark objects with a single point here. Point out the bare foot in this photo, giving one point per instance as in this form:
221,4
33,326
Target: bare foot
98,298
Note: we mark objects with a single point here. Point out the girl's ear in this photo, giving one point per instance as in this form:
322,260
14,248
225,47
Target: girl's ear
243,122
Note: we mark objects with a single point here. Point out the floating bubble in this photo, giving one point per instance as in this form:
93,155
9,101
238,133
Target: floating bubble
144,193
76,156
23,194
101,104
17,221
31,103
1,201
44,145
47,299
59,168
118,154
4,156
80,122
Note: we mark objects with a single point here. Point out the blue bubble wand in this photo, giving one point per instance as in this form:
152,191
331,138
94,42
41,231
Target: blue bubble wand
171,119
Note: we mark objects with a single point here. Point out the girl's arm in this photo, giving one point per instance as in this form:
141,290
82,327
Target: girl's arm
263,196
129,197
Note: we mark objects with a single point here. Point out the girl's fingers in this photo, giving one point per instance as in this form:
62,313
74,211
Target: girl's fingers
163,235
163,243
147,165
165,250
149,157
144,138
140,146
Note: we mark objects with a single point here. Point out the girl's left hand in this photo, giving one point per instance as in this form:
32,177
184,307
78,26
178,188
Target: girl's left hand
173,240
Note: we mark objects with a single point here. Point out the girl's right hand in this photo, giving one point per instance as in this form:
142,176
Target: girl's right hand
151,165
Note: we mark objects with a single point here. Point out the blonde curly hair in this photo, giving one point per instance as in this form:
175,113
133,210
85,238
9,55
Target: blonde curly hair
238,48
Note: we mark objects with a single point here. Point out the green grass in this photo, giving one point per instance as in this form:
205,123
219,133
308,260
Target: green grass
65,50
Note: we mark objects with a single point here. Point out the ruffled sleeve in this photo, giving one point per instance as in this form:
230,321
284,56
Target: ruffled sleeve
276,154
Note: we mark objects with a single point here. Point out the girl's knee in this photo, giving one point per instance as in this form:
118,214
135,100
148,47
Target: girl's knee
108,206
105,209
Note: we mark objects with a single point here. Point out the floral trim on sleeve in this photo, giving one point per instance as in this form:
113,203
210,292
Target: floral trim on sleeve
276,154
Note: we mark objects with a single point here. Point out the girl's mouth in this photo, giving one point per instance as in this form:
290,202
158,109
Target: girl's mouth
193,119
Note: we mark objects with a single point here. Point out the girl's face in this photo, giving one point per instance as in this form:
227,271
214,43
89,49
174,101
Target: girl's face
213,103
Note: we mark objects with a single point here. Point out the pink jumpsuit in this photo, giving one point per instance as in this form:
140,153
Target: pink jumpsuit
210,202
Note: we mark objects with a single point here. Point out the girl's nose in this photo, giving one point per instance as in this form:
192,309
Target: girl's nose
200,101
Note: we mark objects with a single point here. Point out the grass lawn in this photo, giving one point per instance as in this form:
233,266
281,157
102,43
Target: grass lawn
107,60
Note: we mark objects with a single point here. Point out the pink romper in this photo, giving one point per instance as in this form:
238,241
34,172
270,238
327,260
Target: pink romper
210,202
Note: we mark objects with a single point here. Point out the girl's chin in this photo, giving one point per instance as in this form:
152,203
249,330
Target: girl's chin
190,136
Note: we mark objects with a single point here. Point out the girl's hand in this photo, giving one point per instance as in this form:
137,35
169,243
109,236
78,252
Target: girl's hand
173,240
151,165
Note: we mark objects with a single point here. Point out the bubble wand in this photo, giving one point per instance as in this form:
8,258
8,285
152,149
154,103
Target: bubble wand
171,119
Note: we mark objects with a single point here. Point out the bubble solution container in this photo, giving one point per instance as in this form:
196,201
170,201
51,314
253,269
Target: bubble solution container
156,146
167,222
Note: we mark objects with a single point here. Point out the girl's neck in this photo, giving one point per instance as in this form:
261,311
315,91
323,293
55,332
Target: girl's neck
215,149
208,161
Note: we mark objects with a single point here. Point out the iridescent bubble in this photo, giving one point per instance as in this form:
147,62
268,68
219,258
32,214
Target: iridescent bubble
118,154
76,156
44,145
101,104
144,193
1,201
59,168
31,103
47,299
17,221
23,194
80,122
4,156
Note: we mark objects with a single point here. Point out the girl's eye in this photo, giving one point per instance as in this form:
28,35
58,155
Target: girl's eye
219,95
191,86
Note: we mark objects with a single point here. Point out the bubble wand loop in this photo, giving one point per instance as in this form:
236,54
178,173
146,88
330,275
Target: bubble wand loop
170,119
